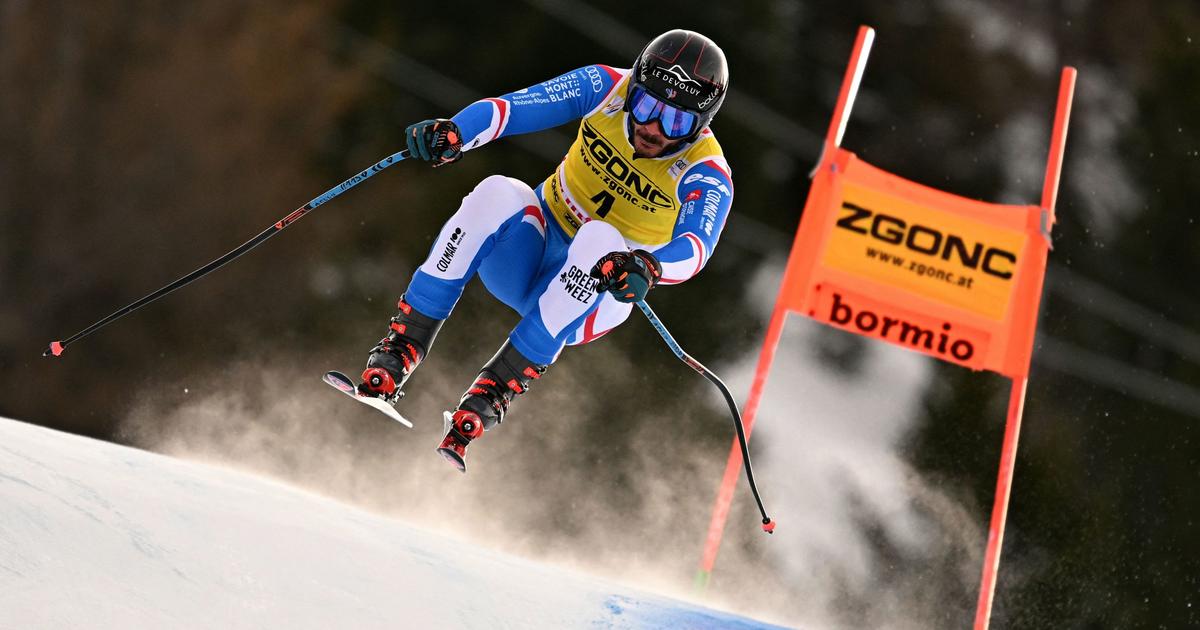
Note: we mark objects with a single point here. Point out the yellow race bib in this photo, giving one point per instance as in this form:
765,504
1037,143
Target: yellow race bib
599,180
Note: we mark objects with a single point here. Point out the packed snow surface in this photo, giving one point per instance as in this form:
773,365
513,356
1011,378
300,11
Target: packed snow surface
96,535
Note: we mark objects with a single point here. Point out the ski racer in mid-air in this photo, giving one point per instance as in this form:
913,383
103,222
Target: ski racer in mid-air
639,200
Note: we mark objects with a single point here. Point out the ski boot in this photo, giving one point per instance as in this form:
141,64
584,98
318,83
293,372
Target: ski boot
508,374
393,359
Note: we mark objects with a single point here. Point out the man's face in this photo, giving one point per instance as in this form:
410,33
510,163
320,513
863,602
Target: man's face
649,141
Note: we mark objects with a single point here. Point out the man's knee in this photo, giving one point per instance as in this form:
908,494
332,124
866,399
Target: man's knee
596,230
595,239
493,185
494,200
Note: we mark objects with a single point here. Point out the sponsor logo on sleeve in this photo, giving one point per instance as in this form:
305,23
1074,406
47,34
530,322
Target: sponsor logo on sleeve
562,88
711,181
553,91
594,76
685,211
711,199
712,203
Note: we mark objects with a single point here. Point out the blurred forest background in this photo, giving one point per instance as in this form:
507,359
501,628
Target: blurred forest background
139,140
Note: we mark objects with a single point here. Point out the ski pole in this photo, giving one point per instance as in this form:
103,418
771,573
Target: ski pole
767,524
56,347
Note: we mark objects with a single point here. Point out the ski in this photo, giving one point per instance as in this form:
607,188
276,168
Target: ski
343,384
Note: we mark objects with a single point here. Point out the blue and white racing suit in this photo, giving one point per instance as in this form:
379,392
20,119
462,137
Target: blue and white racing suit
533,247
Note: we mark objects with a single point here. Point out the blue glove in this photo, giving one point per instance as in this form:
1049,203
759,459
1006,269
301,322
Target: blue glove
629,276
436,140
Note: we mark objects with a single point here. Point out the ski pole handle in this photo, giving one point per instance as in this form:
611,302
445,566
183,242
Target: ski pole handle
57,347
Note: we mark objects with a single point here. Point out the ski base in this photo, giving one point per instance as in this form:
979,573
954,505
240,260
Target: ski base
343,384
450,454
454,459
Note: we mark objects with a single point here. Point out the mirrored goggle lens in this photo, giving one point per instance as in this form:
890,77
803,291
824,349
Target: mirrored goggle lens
645,109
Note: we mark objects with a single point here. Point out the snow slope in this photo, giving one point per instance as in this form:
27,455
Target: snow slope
96,535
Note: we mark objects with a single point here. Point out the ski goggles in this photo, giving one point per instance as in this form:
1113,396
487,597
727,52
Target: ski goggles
646,108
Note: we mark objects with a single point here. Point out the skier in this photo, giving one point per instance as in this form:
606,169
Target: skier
639,200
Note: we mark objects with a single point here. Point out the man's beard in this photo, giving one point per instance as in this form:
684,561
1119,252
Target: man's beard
656,145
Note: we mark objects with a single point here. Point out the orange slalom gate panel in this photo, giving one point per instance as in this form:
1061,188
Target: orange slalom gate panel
857,313
921,268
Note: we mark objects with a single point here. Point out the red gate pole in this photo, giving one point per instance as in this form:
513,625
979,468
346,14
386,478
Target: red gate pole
733,466
1032,290
1008,456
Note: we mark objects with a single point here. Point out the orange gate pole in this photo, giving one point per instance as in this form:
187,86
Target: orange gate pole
1030,293
733,466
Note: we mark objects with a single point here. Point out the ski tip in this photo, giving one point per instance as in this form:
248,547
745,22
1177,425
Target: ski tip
56,348
768,526
342,383
339,381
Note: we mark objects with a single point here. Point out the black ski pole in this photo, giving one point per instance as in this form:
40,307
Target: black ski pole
56,347
767,524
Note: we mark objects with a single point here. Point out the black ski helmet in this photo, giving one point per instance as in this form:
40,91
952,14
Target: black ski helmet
684,69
